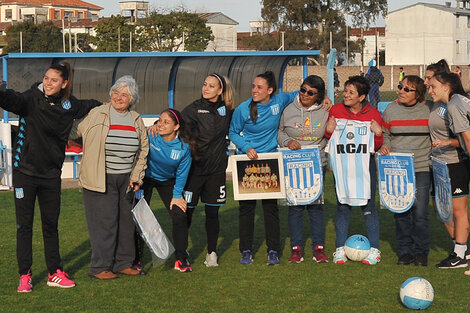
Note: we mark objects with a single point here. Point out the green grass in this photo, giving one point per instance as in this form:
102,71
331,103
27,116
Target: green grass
305,287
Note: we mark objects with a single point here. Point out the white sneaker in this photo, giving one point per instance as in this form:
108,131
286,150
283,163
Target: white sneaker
373,257
211,259
339,256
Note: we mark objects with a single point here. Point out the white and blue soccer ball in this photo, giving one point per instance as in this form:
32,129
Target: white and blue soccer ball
416,293
357,247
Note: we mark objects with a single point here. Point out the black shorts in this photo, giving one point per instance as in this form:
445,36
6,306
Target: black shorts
210,188
459,178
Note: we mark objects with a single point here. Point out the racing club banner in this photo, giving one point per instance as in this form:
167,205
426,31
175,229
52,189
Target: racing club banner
397,185
442,189
303,175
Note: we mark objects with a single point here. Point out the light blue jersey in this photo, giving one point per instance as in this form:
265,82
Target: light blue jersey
262,135
167,160
349,150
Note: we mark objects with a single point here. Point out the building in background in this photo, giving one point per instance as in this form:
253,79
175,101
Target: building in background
224,30
46,10
133,10
374,44
424,33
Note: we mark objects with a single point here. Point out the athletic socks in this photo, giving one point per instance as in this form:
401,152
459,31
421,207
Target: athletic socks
460,249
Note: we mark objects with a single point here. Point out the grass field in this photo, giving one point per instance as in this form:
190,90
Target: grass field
305,287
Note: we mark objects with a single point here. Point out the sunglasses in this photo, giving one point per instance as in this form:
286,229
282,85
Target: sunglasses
406,89
308,92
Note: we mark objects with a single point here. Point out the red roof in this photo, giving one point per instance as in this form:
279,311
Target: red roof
65,3
367,32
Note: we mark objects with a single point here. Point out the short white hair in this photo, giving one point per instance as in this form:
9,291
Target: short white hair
129,82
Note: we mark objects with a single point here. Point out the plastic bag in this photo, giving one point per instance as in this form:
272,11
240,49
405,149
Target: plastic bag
152,233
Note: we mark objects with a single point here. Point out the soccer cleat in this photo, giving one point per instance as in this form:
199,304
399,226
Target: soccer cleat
297,255
60,279
26,284
273,258
183,266
319,254
247,257
452,261
421,259
373,257
211,259
339,256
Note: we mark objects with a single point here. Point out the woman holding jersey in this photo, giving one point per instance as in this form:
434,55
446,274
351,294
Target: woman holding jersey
356,108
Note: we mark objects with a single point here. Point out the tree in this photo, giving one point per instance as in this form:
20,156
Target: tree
43,37
307,23
169,32
112,31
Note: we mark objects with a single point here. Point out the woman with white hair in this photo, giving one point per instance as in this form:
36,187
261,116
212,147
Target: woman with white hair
115,147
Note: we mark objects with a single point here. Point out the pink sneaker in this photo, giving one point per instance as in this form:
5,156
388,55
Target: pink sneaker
60,279
26,284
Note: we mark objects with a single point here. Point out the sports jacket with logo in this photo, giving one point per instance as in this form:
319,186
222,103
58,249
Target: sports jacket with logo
43,129
209,123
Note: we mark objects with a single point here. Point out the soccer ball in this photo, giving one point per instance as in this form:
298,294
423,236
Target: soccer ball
416,293
357,247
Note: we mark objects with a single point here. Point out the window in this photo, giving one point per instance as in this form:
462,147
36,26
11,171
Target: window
57,15
457,21
457,46
80,14
68,14
8,14
468,21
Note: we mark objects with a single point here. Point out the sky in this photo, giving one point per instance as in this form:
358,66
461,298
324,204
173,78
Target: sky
242,11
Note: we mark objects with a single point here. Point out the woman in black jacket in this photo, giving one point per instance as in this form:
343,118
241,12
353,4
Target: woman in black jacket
209,120
46,112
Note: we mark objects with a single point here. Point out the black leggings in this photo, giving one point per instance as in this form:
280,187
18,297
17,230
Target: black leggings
178,217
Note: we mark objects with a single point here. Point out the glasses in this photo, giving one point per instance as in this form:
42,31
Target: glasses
406,89
308,92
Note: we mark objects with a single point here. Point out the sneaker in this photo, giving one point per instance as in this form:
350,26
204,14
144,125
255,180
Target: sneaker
421,259
373,257
339,256
183,266
297,255
273,258
467,254
319,254
405,259
26,284
452,261
211,259
247,257
60,279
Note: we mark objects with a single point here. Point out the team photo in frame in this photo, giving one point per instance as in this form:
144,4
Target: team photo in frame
258,179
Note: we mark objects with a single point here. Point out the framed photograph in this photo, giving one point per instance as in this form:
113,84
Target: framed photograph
258,179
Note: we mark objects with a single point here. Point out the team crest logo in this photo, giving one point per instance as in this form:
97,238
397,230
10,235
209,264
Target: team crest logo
442,110
19,194
350,135
175,154
303,175
222,111
275,109
362,131
67,105
396,181
188,196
